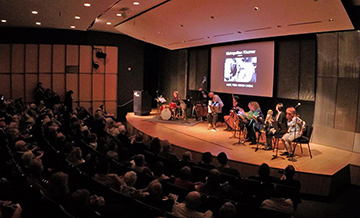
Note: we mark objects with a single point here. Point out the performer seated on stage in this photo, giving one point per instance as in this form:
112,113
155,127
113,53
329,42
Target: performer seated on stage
295,129
175,103
271,130
232,118
201,105
214,109
255,119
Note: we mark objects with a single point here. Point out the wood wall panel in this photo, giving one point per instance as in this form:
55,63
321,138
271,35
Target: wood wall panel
72,55
58,59
30,84
5,55
45,58
5,88
85,59
85,87
111,107
17,58
111,59
58,81
72,83
100,61
17,86
45,79
98,87
86,104
96,105
111,87
31,58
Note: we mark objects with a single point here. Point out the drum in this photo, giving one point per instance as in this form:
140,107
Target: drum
173,105
164,106
165,114
201,110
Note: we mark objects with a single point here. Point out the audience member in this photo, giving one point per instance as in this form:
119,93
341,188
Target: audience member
277,202
264,174
155,146
166,153
186,159
58,189
189,208
127,187
75,157
206,161
104,177
227,210
140,164
155,198
212,185
225,168
184,179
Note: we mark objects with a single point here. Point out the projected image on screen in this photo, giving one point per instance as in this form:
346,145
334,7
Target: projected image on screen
240,69
245,69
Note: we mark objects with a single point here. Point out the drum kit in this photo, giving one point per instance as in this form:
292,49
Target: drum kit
172,110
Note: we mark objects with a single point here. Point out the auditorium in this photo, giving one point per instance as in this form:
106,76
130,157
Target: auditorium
180,108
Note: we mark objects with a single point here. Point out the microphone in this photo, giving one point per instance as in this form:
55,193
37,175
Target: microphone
298,105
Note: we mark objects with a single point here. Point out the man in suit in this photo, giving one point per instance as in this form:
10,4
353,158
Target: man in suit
280,121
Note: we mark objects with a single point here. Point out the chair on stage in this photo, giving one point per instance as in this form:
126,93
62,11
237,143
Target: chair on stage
277,137
304,139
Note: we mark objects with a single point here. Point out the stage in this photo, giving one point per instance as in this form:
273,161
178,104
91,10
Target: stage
321,175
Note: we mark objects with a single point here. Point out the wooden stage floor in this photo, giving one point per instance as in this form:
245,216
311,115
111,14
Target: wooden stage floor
326,161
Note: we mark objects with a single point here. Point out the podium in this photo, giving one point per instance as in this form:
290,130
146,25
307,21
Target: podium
142,103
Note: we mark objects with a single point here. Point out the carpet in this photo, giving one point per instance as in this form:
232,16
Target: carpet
188,122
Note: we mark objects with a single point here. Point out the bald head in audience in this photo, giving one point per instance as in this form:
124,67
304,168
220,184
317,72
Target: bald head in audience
193,200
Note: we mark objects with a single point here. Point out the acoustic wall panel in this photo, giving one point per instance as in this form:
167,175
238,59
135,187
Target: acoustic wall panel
17,58
192,70
5,87
111,59
72,83
31,58
5,55
111,107
325,102
110,87
327,47
58,59
86,104
30,84
307,70
349,53
96,105
85,59
72,55
85,87
58,85
17,86
45,79
98,87
99,61
45,52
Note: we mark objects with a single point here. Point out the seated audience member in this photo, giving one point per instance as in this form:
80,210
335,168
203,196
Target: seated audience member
92,138
102,145
104,177
186,159
137,144
38,177
188,209
225,168
183,179
264,174
227,210
113,151
158,171
75,157
58,188
277,202
155,198
127,186
166,153
155,146
111,127
295,129
29,155
82,204
140,164
287,179
212,185
206,160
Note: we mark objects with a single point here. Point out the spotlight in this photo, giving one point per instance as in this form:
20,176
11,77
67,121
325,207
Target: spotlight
100,54
95,65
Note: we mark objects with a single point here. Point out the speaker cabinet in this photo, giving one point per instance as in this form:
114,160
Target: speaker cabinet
142,103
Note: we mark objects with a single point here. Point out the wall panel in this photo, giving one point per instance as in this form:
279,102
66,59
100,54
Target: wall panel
45,79
111,87
98,87
85,87
58,59
85,59
349,53
45,52
17,58
72,55
327,48
100,61
111,59
86,104
111,107
31,58
5,55
58,84
5,87
30,84
17,86
96,105
307,70
325,102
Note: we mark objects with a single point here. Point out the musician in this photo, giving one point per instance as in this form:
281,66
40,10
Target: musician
176,98
232,117
280,121
255,120
295,129
201,105
214,109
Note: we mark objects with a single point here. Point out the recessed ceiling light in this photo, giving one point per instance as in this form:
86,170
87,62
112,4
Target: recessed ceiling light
119,15
331,19
256,8
34,12
77,17
72,27
108,23
38,23
87,4
3,21
136,3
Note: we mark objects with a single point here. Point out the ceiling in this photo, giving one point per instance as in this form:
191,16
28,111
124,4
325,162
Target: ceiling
176,24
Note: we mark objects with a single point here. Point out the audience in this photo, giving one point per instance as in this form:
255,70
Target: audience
206,161
155,198
225,168
189,208
277,202
264,174
212,185
140,164
228,210
127,187
184,179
